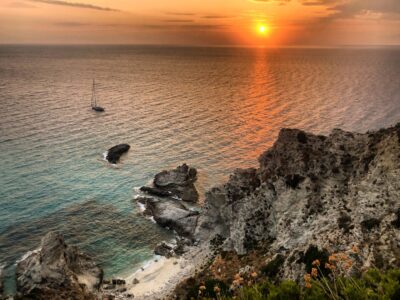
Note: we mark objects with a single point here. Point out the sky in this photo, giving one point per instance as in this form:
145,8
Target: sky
201,22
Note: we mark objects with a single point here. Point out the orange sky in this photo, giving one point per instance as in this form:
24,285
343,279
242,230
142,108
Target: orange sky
201,22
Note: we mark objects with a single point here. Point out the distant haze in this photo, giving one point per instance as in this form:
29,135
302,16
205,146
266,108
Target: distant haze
201,22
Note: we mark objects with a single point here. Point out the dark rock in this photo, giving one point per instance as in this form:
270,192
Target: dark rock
156,191
396,222
173,214
293,180
344,222
118,281
273,267
135,281
312,254
114,153
302,137
164,249
178,182
57,271
369,224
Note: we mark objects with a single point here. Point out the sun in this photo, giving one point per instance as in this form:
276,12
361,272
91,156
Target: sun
262,29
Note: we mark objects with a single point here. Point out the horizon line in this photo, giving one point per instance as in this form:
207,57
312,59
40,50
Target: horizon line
207,46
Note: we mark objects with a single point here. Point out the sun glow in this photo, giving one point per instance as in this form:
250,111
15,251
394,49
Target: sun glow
262,29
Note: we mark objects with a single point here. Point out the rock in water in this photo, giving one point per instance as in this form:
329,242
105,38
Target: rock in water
114,153
178,182
173,214
57,271
313,195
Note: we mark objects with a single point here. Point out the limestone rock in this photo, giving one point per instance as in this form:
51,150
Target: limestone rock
173,214
313,194
57,271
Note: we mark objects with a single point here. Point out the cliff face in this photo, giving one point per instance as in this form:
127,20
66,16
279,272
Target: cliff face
312,191
57,271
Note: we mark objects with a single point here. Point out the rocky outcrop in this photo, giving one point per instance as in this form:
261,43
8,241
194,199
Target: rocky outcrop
172,214
57,271
115,153
179,247
178,182
164,249
310,196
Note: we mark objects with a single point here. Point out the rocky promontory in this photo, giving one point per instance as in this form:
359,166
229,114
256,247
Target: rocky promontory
312,195
178,182
57,271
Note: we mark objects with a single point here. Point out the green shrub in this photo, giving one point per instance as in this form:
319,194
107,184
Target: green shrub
372,285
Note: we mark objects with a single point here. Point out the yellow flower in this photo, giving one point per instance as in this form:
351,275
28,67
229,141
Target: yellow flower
316,263
254,274
307,278
308,285
332,258
314,272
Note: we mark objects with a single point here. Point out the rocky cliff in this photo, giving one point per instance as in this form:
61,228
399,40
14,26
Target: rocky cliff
57,271
313,194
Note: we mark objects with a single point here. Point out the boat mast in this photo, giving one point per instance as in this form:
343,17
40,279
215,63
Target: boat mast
94,95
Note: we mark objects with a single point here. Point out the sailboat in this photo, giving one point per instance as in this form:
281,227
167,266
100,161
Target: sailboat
94,99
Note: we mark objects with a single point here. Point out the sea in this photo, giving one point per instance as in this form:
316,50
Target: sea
216,109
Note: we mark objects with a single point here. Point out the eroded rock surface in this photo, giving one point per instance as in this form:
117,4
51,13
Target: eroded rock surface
171,213
178,182
57,271
313,194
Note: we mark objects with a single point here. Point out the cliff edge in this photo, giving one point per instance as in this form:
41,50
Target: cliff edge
312,194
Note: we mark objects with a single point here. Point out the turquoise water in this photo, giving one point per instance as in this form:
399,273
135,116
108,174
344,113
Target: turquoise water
213,108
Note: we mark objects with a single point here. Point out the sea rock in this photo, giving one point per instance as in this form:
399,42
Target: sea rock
312,195
156,191
57,271
178,182
114,153
173,214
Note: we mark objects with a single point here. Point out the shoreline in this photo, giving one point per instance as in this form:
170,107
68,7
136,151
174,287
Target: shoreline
159,278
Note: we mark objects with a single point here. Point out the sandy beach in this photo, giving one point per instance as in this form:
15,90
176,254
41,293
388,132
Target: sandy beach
158,279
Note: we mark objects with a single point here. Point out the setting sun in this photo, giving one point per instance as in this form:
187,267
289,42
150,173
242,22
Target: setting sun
262,29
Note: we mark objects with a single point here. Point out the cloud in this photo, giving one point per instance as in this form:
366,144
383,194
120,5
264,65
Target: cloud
17,4
351,8
179,13
281,2
73,4
318,2
178,21
215,17
71,24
